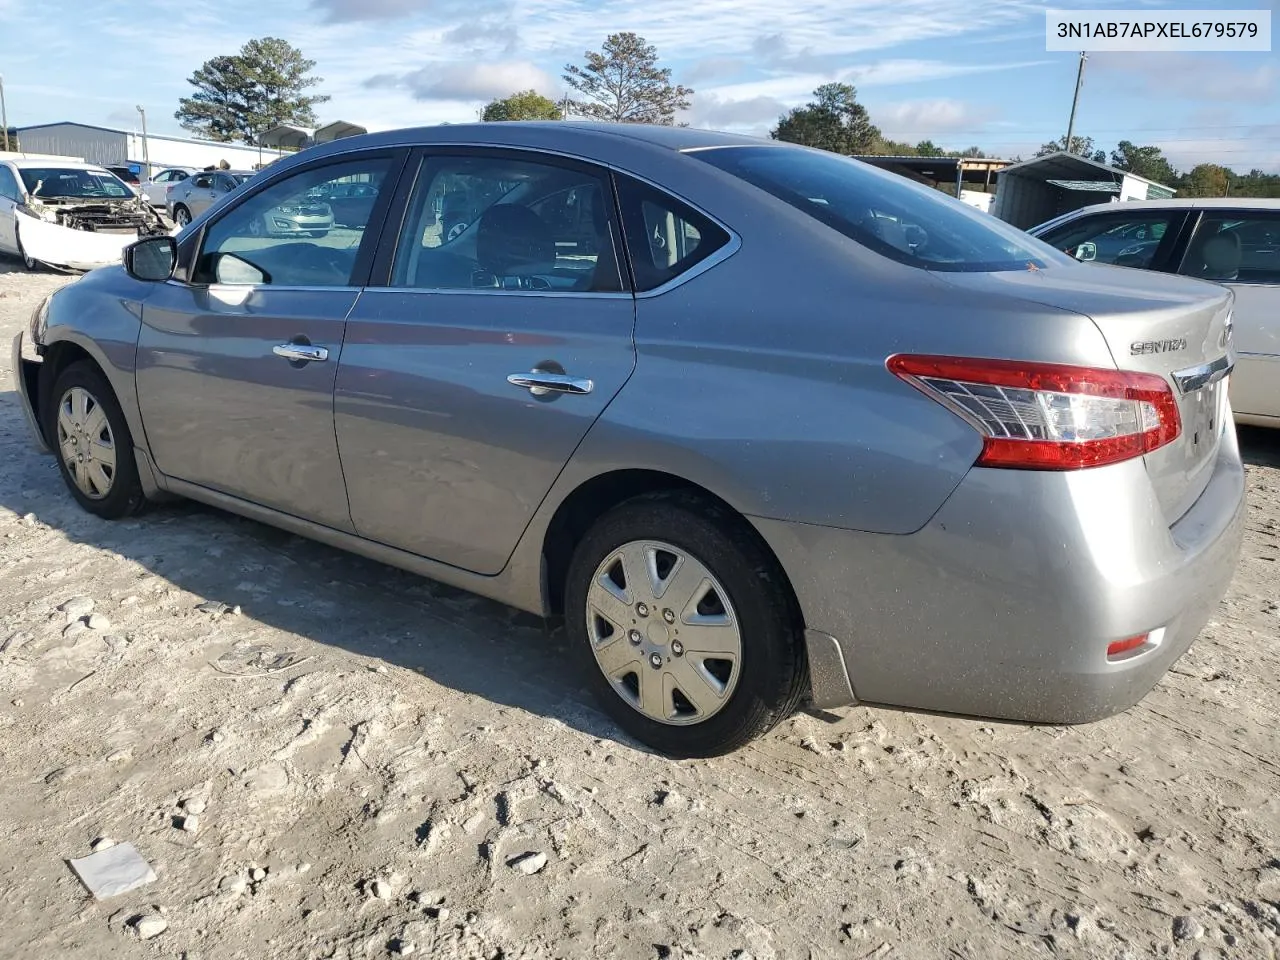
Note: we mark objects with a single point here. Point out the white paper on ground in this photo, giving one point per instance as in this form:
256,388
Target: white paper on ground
113,871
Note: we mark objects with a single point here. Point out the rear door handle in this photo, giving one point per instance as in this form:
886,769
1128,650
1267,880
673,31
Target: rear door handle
540,384
300,351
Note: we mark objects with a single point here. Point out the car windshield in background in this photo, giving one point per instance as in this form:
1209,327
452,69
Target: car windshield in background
64,182
901,220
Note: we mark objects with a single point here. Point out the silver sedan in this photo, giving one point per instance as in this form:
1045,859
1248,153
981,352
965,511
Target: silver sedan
760,424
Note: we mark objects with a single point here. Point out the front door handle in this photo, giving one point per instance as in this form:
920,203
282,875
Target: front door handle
300,351
540,384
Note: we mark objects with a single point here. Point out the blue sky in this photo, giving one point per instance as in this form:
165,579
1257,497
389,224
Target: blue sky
958,73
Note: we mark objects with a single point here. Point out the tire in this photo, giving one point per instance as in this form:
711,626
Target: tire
28,264
123,496
181,215
771,671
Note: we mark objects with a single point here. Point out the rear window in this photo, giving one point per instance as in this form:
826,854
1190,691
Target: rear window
904,221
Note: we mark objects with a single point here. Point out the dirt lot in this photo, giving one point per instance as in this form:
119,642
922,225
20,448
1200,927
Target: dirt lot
368,752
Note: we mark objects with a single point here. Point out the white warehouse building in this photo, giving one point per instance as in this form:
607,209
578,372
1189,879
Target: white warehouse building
116,147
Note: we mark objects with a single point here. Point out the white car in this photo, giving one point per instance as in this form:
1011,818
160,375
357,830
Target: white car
155,188
1233,241
69,214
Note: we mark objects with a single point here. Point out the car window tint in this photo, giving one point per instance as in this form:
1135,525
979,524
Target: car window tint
203,181
1127,241
904,221
8,184
1237,246
480,222
287,234
665,237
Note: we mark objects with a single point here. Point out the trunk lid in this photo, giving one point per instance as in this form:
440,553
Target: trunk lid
1172,326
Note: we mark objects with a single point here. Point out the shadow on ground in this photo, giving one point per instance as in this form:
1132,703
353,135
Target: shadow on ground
304,588
1260,447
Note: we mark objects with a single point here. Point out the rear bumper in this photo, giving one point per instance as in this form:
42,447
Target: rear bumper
1004,603
26,374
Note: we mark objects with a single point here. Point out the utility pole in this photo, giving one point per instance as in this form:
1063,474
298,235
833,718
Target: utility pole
146,148
4,116
1071,124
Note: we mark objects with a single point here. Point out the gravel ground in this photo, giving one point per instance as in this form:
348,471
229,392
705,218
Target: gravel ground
368,761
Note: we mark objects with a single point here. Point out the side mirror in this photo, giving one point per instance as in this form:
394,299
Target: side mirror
230,269
151,258
1087,251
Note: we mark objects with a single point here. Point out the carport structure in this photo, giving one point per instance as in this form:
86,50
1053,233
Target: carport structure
1039,189
287,136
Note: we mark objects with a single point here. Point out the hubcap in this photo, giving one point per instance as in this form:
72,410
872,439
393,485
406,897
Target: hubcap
678,668
86,443
182,216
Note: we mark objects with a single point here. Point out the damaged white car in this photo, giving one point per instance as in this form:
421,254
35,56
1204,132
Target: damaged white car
68,214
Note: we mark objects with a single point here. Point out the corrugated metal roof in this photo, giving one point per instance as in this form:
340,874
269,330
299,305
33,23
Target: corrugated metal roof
1092,186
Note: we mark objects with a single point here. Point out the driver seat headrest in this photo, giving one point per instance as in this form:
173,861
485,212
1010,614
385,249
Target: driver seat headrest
1221,257
513,241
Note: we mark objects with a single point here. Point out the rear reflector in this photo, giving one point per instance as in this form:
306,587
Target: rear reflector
1124,646
1124,649
1048,416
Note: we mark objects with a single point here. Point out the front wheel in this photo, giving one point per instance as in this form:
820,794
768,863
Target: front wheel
28,263
686,631
92,442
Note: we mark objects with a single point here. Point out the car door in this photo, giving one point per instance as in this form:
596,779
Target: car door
200,195
236,360
155,187
9,198
1241,249
470,375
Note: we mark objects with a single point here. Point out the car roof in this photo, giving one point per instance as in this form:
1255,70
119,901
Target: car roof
1189,203
586,138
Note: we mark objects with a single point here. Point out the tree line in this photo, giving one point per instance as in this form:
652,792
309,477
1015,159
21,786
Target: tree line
269,82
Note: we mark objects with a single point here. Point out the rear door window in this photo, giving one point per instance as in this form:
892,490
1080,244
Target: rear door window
1235,246
485,220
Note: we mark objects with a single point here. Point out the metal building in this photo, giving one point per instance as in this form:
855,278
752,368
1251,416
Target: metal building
107,145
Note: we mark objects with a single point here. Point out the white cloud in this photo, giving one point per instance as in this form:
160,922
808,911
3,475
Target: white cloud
798,88
1189,76
754,115
468,81
914,120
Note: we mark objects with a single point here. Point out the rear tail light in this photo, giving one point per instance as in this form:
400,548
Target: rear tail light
1047,416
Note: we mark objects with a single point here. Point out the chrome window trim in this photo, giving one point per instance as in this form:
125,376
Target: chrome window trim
495,292
724,253
292,288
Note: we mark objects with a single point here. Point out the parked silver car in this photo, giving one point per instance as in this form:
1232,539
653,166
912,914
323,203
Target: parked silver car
156,189
1233,241
190,197
759,422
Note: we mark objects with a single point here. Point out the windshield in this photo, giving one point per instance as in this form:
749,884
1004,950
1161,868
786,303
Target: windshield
912,224
69,182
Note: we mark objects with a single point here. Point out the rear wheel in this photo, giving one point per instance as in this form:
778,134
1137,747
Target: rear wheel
686,632
91,439
181,215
